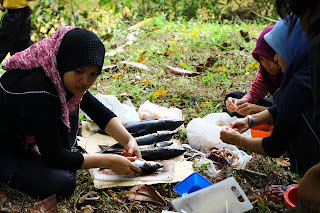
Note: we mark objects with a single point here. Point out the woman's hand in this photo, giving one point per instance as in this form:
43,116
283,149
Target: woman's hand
232,104
241,125
230,136
34,148
122,165
249,109
132,149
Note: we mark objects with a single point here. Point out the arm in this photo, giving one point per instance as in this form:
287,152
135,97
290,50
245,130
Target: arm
107,121
242,124
117,163
230,136
120,134
259,89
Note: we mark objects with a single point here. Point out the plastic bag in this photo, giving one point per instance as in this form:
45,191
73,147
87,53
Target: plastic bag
150,111
125,113
205,132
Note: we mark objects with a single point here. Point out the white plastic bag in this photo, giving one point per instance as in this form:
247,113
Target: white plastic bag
125,113
150,111
205,132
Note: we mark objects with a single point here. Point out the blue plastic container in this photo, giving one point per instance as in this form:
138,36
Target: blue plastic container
192,183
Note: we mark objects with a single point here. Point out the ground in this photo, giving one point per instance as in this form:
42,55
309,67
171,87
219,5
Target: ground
223,57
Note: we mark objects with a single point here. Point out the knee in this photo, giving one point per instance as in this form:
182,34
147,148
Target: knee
67,185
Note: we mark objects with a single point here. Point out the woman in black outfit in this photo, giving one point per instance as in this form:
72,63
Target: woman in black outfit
40,96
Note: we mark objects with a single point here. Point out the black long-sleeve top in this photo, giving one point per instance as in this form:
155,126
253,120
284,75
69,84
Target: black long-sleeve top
29,106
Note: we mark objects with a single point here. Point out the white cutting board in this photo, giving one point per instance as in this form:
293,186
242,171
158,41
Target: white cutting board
218,198
167,173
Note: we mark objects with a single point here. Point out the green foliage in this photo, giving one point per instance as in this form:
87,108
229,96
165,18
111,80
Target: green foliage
49,15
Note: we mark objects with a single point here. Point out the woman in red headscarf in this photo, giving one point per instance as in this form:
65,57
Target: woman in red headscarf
268,80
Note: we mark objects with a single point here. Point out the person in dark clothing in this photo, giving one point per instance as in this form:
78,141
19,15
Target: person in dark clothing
268,80
293,98
43,87
309,13
15,27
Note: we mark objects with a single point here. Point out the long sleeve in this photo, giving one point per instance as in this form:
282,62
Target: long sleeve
259,89
100,114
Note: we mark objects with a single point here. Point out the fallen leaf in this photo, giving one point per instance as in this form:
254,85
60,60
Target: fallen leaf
135,64
168,53
159,92
145,82
245,35
109,67
142,57
106,36
146,193
86,209
283,162
209,63
117,76
48,205
178,71
206,104
90,196
260,200
140,24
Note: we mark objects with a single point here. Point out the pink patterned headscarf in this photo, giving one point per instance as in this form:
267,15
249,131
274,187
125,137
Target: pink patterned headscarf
43,54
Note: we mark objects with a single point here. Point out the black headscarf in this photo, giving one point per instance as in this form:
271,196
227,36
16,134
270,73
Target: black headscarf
79,48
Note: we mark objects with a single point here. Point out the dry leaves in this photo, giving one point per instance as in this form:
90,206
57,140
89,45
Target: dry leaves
178,71
136,65
48,205
245,35
145,193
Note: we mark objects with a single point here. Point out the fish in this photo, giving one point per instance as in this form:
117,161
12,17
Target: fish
156,153
105,148
150,138
147,167
141,128
163,144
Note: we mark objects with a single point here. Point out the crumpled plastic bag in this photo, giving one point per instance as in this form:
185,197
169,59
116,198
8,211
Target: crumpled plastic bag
125,113
150,111
205,132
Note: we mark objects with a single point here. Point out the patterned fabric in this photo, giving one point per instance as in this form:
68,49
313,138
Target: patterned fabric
259,89
43,54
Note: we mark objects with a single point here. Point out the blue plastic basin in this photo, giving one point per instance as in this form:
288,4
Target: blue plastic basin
192,183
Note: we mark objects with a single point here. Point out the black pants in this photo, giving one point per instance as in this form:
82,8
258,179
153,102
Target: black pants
28,173
15,28
267,102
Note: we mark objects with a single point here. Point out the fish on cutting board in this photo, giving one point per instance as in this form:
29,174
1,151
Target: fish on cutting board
147,167
156,153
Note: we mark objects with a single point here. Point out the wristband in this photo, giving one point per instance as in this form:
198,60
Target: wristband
251,121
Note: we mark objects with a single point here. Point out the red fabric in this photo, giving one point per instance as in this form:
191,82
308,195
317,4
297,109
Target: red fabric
259,89
43,54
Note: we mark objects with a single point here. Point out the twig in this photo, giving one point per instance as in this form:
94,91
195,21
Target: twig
261,16
254,172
